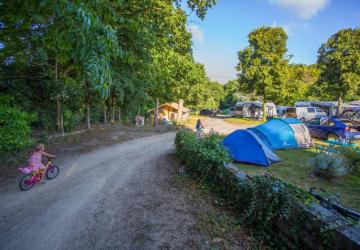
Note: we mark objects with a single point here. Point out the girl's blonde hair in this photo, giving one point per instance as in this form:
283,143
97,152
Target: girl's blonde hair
39,147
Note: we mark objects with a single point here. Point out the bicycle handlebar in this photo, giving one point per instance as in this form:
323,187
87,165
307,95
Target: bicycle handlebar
355,215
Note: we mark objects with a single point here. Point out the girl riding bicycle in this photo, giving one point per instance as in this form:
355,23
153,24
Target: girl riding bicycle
35,159
199,127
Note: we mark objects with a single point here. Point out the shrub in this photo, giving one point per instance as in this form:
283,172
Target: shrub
71,120
353,159
204,159
260,201
329,166
14,127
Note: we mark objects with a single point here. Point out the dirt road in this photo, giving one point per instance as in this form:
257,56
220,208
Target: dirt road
118,197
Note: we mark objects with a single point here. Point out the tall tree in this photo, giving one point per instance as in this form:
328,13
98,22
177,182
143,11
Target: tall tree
339,62
51,61
263,66
302,79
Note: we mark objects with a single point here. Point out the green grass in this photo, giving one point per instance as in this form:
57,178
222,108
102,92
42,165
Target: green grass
294,169
246,121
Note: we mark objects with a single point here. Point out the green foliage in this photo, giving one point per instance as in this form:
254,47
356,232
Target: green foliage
302,79
50,61
262,65
263,200
352,157
329,166
264,70
260,201
199,6
339,60
71,120
14,126
204,158
232,94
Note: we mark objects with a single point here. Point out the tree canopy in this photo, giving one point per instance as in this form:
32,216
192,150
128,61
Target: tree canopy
339,62
63,58
263,65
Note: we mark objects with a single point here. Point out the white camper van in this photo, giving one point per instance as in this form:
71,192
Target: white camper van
308,113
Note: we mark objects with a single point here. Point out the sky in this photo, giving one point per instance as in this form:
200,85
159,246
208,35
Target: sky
308,23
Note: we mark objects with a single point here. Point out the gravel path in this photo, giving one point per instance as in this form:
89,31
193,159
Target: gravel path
118,197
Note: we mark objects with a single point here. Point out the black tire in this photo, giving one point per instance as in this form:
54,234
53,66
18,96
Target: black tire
22,185
332,136
52,172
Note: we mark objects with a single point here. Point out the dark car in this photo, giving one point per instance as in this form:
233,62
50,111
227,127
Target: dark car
350,114
332,128
208,112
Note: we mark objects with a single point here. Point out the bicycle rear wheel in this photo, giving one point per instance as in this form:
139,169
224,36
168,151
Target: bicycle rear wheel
52,172
25,182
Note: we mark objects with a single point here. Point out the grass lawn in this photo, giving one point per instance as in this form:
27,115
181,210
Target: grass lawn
294,169
247,121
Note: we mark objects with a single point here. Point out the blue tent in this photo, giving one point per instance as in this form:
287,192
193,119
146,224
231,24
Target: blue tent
283,133
245,146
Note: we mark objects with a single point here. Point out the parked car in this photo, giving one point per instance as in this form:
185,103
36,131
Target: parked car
208,112
232,111
350,114
308,113
332,128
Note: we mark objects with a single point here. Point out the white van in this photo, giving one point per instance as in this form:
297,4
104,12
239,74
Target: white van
308,113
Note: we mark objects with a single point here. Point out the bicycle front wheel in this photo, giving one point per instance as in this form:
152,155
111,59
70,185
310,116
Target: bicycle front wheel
26,182
52,172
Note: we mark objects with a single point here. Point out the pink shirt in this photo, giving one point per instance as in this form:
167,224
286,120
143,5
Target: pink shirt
35,160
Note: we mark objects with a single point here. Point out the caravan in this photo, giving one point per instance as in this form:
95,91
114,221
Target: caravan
253,110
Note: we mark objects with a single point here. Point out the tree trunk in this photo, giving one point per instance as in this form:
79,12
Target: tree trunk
119,115
112,114
58,115
88,114
88,119
264,109
180,111
58,106
105,114
340,103
157,112
62,122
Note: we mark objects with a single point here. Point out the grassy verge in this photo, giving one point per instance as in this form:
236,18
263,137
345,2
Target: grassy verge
294,169
246,121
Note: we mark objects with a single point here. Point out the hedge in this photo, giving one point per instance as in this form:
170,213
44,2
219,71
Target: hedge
263,203
15,127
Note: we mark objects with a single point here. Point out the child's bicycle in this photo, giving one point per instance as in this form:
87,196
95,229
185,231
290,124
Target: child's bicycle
200,133
32,177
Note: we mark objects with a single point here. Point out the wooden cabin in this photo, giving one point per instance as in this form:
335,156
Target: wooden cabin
170,111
